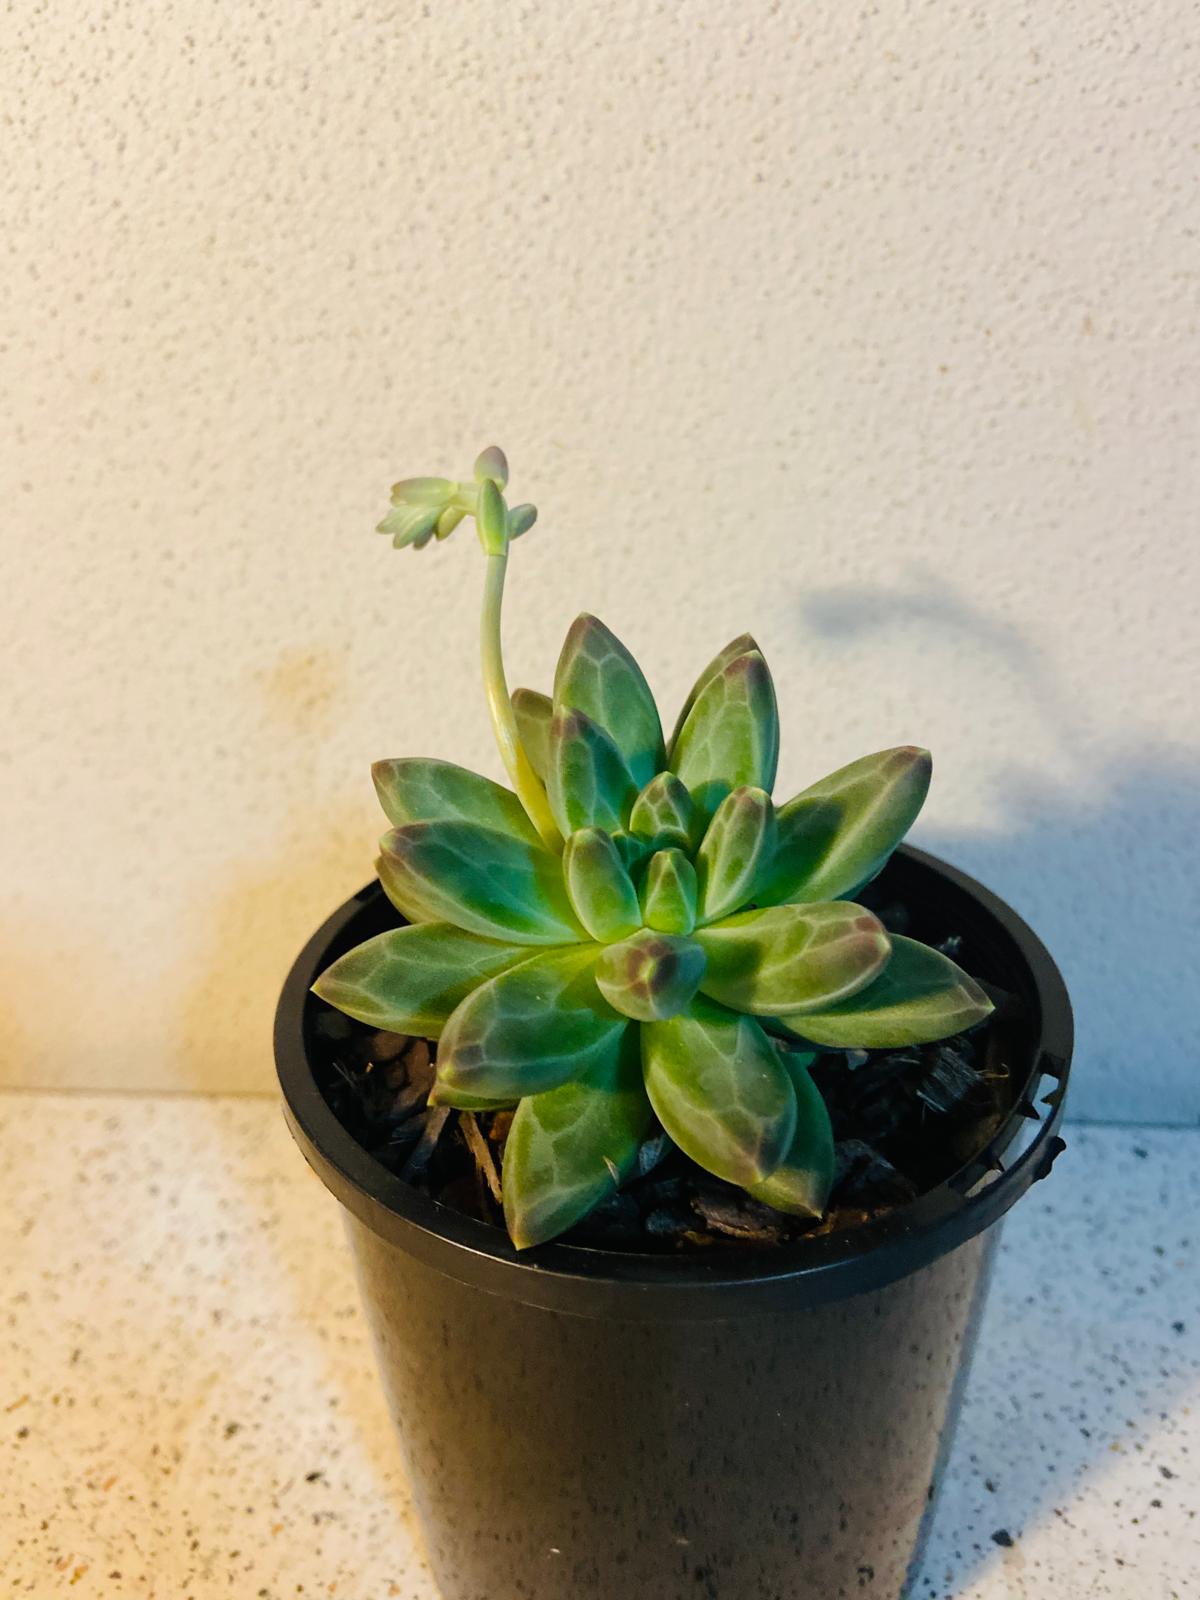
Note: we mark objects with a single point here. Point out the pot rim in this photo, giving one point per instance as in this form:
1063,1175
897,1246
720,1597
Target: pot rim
712,1284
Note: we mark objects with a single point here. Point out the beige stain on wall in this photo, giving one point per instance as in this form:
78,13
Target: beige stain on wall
260,910
302,690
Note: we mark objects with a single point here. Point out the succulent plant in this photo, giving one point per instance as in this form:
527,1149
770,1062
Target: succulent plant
635,934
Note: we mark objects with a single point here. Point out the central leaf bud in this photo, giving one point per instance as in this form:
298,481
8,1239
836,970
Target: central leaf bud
650,976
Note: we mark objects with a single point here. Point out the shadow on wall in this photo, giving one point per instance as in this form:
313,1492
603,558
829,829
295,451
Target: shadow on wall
1103,863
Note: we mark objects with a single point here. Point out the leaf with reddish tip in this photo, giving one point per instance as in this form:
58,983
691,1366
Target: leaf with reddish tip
665,814
743,645
421,789
801,1183
650,975
669,893
599,885
731,736
719,1089
738,846
492,463
409,980
535,1026
487,882
588,783
838,834
781,960
597,675
570,1147
919,996
534,713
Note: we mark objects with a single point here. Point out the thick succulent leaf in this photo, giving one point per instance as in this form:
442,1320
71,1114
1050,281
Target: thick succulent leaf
802,1181
782,960
836,835
486,882
535,1026
588,783
669,893
650,975
731,736
570,1147
599,885
736,850
402,892
409,980
597,675
918,997
534,712
719,1089
420,789
743,645
665,814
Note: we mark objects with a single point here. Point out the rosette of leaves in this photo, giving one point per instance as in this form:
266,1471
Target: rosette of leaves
636,936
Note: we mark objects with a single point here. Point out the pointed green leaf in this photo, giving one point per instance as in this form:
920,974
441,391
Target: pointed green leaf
534,713
737,848
731,736
837,835
537,1025
600,888
919,996
409,980
588,783
743,645
570,1147
669,893
665,814
421,789
781,960
402,892
719,1089
650,975
801,1183
478,879
597,675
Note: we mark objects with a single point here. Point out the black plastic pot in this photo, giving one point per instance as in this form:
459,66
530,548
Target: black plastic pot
582,1425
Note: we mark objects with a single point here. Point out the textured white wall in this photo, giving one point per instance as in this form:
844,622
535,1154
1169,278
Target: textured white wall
872,329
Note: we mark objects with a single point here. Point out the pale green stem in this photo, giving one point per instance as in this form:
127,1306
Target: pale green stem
528,785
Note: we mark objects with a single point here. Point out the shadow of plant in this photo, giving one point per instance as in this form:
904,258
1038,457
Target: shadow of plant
1100,857
1085,1358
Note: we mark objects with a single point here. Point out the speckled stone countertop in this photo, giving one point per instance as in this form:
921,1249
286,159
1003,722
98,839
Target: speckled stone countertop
188,1406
